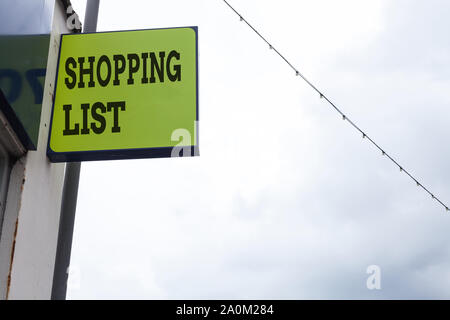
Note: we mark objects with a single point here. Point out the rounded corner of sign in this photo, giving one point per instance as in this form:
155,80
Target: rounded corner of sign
50,150
195,29
51,154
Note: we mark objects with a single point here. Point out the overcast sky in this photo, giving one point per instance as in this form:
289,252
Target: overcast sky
286,200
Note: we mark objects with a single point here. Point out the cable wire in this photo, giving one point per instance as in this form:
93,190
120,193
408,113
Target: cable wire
344,116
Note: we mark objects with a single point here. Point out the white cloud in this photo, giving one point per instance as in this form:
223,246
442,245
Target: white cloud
286,200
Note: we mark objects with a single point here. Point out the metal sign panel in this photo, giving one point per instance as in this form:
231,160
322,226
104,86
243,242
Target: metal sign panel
125,95
23,65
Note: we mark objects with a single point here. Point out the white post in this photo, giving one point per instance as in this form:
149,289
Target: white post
31,222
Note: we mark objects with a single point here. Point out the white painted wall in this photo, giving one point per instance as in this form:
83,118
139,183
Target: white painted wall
30,228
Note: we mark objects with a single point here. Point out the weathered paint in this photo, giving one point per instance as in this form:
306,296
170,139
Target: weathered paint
10,220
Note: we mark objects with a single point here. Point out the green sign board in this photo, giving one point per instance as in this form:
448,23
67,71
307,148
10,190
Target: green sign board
23,64
125,95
